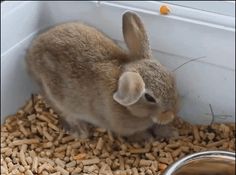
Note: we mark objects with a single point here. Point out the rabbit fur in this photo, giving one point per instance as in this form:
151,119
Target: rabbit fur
87,78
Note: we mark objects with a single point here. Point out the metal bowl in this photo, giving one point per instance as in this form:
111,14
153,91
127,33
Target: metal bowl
204,163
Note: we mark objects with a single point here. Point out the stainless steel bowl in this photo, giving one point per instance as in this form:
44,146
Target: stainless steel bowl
204,163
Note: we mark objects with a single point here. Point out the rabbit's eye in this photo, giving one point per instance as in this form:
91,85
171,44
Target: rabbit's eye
149,98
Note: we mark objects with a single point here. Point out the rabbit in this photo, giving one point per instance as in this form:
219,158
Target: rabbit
88,79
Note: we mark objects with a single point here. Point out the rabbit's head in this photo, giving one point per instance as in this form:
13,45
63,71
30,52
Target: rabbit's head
145,88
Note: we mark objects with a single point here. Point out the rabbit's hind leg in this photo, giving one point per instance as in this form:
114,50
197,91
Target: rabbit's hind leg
78,128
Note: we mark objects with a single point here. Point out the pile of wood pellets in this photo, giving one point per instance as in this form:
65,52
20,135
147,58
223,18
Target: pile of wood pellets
33,142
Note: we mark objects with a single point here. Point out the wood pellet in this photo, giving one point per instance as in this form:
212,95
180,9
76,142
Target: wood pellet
33,142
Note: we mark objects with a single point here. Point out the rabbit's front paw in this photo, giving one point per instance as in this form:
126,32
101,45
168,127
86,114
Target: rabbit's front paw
164,131
140,136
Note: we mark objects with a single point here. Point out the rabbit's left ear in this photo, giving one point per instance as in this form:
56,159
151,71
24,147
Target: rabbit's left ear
130,88
135,36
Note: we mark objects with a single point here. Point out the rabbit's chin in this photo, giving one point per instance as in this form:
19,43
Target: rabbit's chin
163,119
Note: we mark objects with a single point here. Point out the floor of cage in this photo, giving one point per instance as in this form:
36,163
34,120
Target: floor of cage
33,142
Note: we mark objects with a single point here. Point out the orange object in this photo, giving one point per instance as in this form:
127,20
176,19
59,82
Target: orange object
164,10
80,156
162,166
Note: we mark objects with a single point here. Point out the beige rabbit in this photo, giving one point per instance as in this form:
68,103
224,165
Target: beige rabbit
87,78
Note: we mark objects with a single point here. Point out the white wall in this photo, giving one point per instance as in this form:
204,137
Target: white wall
175,39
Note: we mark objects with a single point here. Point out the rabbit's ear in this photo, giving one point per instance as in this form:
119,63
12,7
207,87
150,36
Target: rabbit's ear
135,36
130,88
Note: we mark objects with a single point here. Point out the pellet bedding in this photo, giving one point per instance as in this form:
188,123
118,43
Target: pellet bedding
33,142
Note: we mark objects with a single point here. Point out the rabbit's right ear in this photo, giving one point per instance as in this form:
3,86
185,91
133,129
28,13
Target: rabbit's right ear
130,88
135,36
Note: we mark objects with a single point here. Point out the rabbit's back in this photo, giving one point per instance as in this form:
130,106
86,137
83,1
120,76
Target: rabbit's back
77,39
73,50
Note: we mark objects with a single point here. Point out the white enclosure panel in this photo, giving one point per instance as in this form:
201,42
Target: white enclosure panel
219,7
17,23
166,34
174,39
16,85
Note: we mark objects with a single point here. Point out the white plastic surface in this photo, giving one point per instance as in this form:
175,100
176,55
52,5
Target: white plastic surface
207,82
